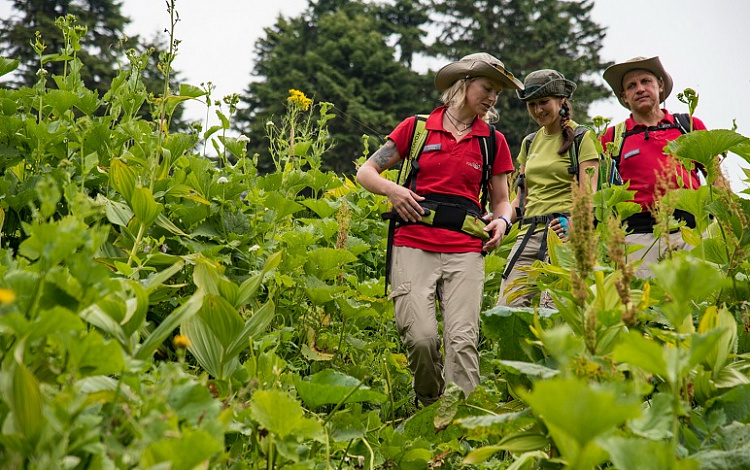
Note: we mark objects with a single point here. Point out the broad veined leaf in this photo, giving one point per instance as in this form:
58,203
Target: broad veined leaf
346,426
25,399
322,207
192,449
688,279
643,454
158,279
187,192
719,318
656,421
145,208
327,263
206,349
7,65
122,176
277,412
640,352
163,222
576,413
319,292
223,320
173,320
254,326
281,205
330,387
60,100
193,402
191,91
704,146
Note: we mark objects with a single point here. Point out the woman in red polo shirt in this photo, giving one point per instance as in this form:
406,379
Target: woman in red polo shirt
439,262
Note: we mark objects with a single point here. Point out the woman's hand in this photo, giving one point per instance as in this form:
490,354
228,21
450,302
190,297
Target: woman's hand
406,203
496,229
561,225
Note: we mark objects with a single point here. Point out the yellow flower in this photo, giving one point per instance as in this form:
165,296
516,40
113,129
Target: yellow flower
7,296
299,99
181,342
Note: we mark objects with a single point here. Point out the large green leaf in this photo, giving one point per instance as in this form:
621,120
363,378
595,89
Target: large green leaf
579,411
254,326
279,413
643,454
645,354
688,280
25,400
327,263
191,449
330,387
206,348
60,100
509,327
122,176
7,65
173,320
705,145
145,208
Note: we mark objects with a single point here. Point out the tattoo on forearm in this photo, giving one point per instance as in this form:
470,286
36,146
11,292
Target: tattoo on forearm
383,155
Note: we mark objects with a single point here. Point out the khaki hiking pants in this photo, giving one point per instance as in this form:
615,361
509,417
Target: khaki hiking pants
652,250
527,258
424,282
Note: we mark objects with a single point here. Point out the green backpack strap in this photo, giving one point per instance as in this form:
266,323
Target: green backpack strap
575,150
618,140
418,138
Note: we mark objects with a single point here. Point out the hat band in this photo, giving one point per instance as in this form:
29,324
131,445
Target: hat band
530,90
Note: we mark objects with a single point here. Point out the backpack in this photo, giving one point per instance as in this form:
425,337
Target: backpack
407,175
682,121
573,169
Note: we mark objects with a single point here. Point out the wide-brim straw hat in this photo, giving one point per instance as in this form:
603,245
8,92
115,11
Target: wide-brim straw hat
480,64
545,82
615,73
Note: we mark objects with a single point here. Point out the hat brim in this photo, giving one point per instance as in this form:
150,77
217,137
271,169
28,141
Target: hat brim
559,87
451,73
615,73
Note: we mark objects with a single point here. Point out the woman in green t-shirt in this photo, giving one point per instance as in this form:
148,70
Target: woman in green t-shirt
545,160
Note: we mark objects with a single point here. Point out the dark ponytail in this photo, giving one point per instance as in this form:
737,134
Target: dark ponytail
567,131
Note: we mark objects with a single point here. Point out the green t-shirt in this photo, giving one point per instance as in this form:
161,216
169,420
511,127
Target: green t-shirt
547,178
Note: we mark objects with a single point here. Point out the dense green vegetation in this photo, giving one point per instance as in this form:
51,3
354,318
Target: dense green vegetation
160,311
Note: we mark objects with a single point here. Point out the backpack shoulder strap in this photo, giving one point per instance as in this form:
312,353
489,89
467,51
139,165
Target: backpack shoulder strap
575,150
488,147
526,142
683,121
418,138
618,139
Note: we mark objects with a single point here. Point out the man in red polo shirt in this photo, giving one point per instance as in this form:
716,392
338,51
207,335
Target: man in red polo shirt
641,84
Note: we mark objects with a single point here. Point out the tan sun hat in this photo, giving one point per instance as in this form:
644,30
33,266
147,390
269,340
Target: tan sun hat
615,73
545,82
479,64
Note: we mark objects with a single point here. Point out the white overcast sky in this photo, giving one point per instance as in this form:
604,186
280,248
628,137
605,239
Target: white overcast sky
702,44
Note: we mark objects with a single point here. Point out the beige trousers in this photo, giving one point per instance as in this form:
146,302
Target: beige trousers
652,250
527,258
423,283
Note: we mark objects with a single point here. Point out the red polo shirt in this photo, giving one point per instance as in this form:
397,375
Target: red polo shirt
447,167
642,158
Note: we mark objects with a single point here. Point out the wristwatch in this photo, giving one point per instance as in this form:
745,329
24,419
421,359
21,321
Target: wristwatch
508,224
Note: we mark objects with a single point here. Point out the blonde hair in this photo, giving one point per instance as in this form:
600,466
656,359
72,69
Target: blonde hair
455,95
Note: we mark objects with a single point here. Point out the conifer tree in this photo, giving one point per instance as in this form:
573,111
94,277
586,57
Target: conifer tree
336,51
526,35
